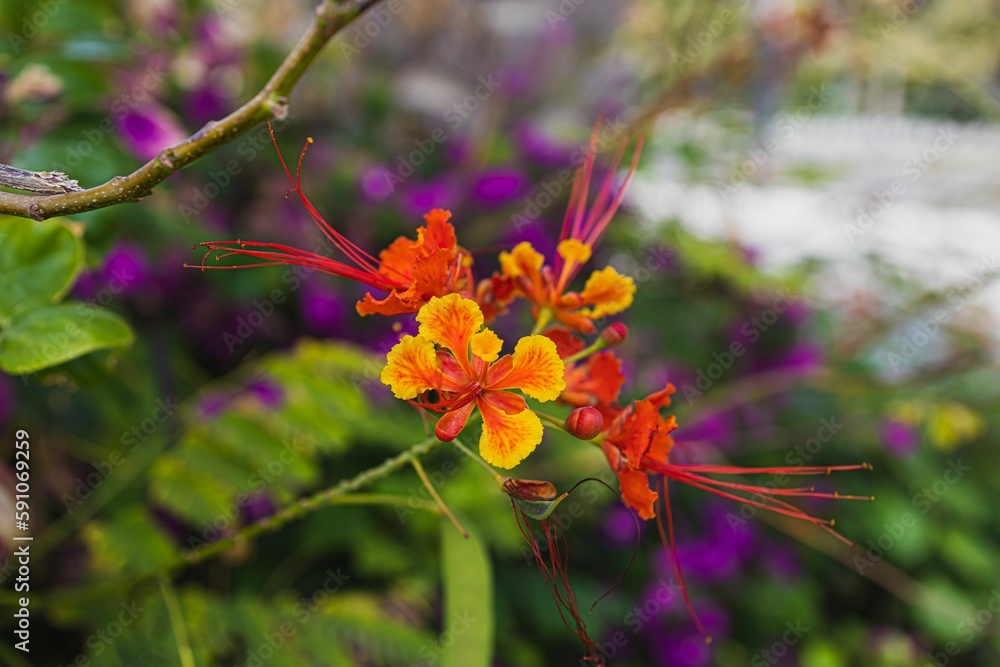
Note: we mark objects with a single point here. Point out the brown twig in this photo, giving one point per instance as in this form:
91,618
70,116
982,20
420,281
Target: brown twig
270,102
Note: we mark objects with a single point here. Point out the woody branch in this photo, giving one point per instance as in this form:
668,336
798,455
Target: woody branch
270,102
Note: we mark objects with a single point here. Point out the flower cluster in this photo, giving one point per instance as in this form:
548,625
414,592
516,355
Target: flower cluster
455,366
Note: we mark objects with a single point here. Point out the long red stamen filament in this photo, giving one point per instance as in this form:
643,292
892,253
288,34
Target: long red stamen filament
671,545
341,242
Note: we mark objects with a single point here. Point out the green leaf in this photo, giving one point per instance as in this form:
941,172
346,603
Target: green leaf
468,600
539,510
49,336
38,263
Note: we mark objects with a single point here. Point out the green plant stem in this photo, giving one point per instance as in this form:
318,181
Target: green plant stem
337,494
497,477
177,622
309,504
419,467
544,317
270,102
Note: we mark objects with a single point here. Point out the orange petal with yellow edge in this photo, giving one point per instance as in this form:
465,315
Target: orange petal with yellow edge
523,260
608,292
535,369
451,321
507,439
411,368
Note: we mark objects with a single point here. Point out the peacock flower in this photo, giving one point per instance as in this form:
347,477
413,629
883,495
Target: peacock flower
453,366
410,272
524,273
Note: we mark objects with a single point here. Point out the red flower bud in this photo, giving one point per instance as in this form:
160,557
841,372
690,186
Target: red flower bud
585,423
615,334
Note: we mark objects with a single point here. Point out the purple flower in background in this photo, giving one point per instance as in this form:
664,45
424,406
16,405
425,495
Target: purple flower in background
205,103
899,438
422,197
688,648
147,129
499,186
259,507
322,308
269,394
536,146
125,272
782,562
716,428
212,405
620,526
126,268
801,357
375,184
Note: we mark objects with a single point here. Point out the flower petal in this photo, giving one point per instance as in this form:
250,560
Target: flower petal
507,401
636,492
451,321
574,250
507,439
608,291
452,423
438,233
523,260
486,345
411,368
536,369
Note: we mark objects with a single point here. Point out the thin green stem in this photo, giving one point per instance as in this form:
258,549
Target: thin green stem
177,622
326,498
478,459
419,467
544,317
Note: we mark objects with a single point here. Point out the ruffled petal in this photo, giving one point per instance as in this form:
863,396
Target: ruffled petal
574,250
523,260
393,304
507,439
438,233
608,292
411,368
636,492
536,369
486,345
451,321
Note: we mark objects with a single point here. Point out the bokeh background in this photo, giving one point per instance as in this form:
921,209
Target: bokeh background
834,161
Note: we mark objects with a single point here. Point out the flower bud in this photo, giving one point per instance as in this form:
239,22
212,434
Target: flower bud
585,423
614,335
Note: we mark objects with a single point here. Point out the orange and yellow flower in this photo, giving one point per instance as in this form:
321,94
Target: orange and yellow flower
410,272
453,366
523,272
